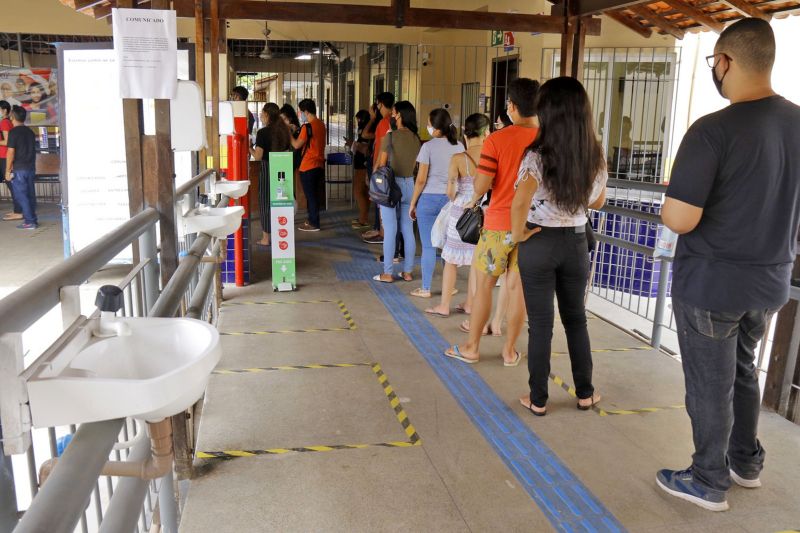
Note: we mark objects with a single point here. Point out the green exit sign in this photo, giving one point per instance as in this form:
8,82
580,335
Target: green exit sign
497,37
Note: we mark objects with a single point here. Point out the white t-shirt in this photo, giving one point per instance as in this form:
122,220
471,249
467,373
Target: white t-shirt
544,211
437,153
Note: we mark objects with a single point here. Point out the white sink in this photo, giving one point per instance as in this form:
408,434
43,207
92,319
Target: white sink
231,189
157,368
215,221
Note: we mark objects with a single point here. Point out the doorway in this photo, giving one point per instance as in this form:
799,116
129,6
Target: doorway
504,70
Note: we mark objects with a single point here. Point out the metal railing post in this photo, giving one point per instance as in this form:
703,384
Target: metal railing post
661,303
167,504
147,249
8,493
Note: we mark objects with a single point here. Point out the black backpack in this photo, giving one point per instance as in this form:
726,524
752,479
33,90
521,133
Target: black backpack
300,153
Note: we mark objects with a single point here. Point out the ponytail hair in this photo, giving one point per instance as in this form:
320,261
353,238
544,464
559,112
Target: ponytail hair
476,125
440,120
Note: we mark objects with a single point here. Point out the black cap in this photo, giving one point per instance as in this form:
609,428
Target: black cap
109,298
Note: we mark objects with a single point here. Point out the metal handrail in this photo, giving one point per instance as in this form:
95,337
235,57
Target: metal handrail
633,213
23,307
202,292
637,185
192,183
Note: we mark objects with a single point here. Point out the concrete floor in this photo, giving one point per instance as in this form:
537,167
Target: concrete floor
291,423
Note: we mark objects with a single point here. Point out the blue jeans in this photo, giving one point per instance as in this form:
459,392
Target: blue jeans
428,207
722,393
390,223
25,194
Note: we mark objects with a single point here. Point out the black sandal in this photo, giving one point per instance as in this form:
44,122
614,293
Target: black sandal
530,407
595,400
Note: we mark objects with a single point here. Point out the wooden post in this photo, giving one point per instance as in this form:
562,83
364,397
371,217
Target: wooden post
567,41
215,83
775,393
578,47
200,62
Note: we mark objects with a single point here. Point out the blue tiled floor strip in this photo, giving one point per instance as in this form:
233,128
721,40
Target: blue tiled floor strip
565,501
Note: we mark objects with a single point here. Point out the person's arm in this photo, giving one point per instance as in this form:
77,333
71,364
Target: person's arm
692,179
301,139
520,206
600,200
419,186
487,168
9,163
257,152
452,179
383,156
3,137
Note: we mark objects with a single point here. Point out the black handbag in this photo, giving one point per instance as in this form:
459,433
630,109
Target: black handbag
470,223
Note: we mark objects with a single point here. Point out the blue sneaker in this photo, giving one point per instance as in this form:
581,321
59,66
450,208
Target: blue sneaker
681,484
27,226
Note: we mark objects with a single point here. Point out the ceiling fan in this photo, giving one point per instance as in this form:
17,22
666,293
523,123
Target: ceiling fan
266,53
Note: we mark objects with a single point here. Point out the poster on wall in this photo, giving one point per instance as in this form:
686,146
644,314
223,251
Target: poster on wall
145,41
281,201
35,89
94,174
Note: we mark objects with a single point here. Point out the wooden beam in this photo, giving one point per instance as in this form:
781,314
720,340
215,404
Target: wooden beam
215,84
629,23
382,16
101,12
658,21
578,48
400,8
746,8
594,7
80,5
200,61
776,392
696,14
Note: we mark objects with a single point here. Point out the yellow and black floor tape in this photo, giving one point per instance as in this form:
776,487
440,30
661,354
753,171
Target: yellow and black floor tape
394,401
351,325
279,302
609,412
286,367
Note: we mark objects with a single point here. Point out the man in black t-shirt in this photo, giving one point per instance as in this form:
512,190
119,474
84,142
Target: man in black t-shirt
21,166
734,196
240,94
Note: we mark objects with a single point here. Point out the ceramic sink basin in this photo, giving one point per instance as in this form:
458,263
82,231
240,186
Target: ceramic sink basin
232,189
158,368
215,221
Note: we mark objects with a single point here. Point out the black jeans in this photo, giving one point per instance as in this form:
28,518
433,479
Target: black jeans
310,180
556,260
263,197
722,392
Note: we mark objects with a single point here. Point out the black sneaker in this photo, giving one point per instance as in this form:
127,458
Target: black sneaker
378,239
305,226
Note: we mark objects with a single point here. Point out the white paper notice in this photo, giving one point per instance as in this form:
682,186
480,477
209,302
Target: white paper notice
145,41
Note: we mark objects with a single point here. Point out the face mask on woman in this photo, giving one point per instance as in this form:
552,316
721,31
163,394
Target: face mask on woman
393,123
430,130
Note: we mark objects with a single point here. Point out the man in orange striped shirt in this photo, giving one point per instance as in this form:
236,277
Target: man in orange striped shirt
496,253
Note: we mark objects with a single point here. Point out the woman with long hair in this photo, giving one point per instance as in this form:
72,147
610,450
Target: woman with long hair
273,137
360,149
430,188
463,169
562,174
402,143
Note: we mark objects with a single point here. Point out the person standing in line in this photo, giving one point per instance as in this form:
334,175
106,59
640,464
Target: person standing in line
496,251
273,137
399,149
562,174
734,197
241,94
384,102
430,188
21,167
312,167
5,129
456,252
360,149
